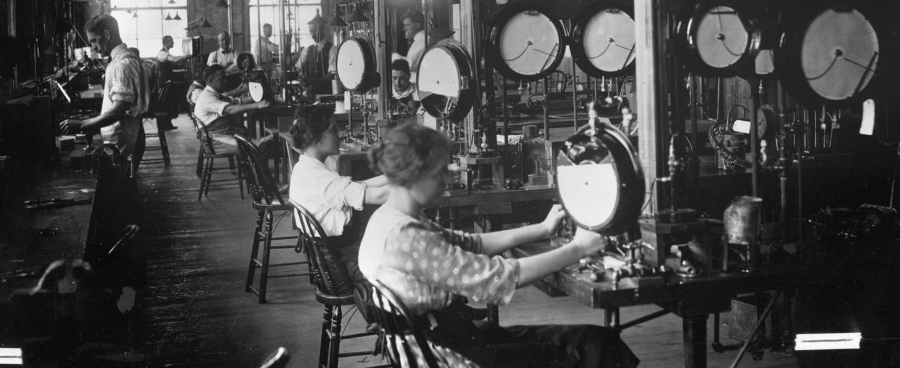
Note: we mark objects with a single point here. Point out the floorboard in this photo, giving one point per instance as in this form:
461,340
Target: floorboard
195,312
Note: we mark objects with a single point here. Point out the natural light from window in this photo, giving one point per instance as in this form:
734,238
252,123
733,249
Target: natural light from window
142,23
297,14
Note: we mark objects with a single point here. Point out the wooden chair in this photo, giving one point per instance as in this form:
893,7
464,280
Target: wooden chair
267,202
200,151
159,133
398,325
318,251
208,155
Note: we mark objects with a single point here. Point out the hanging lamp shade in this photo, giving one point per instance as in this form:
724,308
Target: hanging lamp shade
134,15
357,16
336,20
318,20
176,17
222,4
206,24
171,1
168,16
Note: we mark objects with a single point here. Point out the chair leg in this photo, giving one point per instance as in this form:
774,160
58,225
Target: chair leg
207,174
199,161
231,163
164,146
267,248
254,250
240,181
335,347
203,178
324,342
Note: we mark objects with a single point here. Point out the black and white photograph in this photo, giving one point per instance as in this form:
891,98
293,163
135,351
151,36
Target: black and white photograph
449,183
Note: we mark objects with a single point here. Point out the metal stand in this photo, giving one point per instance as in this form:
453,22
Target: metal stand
762,319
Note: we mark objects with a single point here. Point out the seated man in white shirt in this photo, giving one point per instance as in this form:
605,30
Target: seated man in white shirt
214,109
329,197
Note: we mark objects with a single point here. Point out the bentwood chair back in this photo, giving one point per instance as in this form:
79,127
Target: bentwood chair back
267,202
259,180
208,156
325,267
402,332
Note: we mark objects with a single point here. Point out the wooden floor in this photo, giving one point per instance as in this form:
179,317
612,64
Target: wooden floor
195,312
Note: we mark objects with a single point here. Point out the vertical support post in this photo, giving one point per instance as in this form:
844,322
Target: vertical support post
650,31
504,93
546,105
380,35
470,35
694,329
574,99
782,161
754,134
695,139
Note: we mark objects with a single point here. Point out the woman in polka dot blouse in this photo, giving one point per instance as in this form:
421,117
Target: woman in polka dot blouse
429,268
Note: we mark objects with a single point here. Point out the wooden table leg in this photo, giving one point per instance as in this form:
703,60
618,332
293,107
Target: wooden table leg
694,329
611,317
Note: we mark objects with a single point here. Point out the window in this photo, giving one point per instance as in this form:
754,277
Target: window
296,14
142,23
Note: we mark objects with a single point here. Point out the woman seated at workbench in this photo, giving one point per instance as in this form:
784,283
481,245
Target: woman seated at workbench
428,267
329,197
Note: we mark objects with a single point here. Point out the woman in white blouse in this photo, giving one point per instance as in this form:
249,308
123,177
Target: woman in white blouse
428,267
334,200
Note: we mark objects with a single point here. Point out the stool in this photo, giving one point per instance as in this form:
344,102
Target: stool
266,201
160,135
314,243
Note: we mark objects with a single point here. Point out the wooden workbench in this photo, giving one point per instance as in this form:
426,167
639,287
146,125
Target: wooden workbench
693,299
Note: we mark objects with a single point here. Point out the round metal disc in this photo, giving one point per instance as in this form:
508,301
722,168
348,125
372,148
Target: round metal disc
527,42
356,65
832,57
600,180
259,86
603,40
444,80
719,40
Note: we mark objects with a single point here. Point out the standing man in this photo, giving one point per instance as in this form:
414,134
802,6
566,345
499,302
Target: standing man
125,96
224,56
265,50
414,30
166,60
316,62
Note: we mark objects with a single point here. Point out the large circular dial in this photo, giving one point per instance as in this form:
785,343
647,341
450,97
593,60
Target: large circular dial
600,180
445,80
527,42
833,57
356,64
258,86
603,40
719,39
